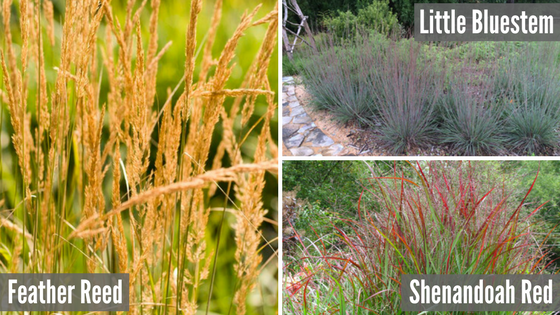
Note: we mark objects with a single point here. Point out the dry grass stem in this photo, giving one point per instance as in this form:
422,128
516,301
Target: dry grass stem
93,148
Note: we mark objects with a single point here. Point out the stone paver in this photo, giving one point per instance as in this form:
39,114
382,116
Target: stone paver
295,141
297,110
299,133
319,139
302,119
334,149
307,127
301,151
288,131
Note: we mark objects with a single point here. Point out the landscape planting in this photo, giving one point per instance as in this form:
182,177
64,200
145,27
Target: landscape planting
462,98
416,217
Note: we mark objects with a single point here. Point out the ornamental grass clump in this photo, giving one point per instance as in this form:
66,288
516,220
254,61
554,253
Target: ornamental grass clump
336,76
528,82
376,82
101,174
465,99
470,121
442,218
406,87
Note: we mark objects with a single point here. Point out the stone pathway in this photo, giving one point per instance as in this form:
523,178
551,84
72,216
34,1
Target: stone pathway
299,133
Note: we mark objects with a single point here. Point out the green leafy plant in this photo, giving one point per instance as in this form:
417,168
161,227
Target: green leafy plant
373,17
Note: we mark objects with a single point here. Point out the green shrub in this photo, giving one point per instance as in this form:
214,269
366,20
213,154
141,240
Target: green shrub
344,24
376,16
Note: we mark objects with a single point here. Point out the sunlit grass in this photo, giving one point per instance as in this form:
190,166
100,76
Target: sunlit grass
139,138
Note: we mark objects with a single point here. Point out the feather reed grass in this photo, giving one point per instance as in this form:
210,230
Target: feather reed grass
108,182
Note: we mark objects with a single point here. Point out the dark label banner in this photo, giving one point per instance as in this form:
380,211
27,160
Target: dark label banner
476,293
64,292
487,22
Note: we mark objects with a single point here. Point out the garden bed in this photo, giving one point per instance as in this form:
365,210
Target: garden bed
402,97
357,138
367,141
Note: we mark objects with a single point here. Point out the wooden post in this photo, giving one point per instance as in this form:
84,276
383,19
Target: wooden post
305,24
287,44
289,47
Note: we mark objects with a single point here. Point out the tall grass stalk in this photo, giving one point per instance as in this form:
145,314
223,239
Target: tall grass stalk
109,182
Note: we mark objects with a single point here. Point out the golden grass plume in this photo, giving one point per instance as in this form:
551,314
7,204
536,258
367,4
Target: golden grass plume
107,181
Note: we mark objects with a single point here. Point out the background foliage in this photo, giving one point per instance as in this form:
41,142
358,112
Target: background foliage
318,11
